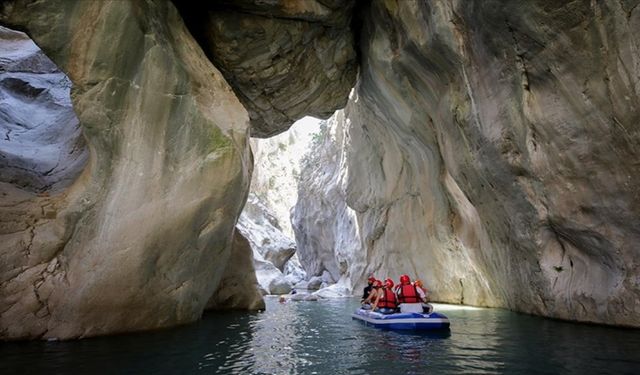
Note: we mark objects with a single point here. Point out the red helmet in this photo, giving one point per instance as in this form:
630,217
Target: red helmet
388,283
405,280
377,284
371,279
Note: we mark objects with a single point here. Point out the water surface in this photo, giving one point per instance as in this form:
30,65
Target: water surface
321,338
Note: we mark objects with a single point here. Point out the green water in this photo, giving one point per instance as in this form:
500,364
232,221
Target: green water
321,338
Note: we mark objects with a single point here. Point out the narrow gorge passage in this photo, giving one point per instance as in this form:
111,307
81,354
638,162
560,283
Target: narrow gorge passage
486,147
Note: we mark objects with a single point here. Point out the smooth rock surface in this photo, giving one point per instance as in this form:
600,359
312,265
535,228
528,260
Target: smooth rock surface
492,150
41,146
238,288
140,240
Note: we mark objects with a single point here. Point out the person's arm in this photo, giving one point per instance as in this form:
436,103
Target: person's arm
365,295
372,295
375,304
422,294
366,299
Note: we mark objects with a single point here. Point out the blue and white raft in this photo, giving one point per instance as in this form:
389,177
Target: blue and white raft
402,321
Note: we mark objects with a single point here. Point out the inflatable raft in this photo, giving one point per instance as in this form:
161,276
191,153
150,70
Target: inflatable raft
402,321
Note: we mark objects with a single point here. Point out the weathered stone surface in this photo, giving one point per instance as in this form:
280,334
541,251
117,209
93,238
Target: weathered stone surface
238,288
265,217
326,229
263,232
140,239
493,151
41,145
271,249
271,279
284,60
277,168
314,283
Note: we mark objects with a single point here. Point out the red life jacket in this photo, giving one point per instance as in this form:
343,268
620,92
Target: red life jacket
408,294
388,299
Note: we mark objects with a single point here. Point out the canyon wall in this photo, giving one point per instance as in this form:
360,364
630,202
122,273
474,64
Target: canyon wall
141,238
284,59
121,216
265,220
492,150
326,227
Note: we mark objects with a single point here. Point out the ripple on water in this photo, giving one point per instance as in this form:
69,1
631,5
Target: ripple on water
321,338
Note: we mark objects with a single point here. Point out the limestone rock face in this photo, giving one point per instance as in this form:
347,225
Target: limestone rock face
326,229
41,143
141,238
238,288
272,249
493,151
284,60
263,231
277,162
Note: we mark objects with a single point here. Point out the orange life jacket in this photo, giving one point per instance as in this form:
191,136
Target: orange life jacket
408,294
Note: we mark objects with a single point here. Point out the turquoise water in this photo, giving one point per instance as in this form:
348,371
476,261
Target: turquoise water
321,338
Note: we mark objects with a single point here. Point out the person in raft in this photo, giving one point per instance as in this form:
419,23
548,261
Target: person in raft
427,308
410,297
386,302
368,289
376,285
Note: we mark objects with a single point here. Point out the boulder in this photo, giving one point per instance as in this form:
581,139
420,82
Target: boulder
271,279
314,283
280,285
262,229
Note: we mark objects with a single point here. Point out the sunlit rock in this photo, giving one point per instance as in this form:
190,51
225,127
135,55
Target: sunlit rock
276,171
293,271
325,226
334,291
492,151
263,231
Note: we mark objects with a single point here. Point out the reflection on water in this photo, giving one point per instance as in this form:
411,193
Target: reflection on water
321,338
